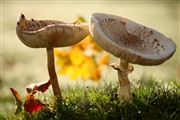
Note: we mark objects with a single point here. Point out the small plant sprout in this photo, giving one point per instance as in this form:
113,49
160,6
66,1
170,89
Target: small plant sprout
132,43
49,34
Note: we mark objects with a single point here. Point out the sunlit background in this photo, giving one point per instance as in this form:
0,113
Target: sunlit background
21,65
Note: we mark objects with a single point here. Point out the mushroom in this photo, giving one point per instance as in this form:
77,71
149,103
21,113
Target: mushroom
132,43
49,34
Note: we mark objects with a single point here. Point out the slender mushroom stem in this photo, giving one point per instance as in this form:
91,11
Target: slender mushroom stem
52,73
123,69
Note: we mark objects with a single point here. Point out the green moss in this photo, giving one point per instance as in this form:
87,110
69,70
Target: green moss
151,101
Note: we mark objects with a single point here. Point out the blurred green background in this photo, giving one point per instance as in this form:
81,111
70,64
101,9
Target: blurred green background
21,65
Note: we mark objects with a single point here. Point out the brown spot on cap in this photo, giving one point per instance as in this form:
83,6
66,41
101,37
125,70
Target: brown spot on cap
38,24
124,23
33,25
151,32
155,40
43,23
22,16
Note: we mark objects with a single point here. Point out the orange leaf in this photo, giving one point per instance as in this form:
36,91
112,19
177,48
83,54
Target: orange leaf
16,94
39,87
32,104
17,99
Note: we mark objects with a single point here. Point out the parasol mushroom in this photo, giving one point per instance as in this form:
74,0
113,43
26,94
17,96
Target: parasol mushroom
132,43
49,34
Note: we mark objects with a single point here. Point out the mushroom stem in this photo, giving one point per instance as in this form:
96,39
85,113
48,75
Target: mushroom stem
52,73
123,69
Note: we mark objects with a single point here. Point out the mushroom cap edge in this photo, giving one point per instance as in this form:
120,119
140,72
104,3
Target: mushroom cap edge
124,52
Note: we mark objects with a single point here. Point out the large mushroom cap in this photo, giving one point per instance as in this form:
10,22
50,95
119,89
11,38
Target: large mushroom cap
129,40
50,33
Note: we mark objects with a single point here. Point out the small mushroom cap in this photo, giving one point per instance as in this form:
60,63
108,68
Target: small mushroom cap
129,40
50,33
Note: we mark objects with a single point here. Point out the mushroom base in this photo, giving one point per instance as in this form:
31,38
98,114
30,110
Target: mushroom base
123,69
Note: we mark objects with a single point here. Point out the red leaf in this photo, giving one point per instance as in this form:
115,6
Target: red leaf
39,87
32,104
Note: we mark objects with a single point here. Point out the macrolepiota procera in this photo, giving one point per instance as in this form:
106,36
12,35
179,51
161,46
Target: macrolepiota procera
50,34
132,43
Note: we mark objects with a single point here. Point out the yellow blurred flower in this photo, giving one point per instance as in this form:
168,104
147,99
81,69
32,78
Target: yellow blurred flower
80,60
76,56
62,57
72,72
89,43
89,68
104,60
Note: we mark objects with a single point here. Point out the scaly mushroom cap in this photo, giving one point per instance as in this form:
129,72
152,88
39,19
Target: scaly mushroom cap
129,40
50,33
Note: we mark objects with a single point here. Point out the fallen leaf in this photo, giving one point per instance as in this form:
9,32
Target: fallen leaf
17,100
43,86
16,94
32,104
